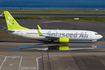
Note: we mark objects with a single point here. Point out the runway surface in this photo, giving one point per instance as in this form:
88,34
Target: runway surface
58,15
14,57
22,54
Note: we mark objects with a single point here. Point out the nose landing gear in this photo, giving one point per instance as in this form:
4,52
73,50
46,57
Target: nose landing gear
93,41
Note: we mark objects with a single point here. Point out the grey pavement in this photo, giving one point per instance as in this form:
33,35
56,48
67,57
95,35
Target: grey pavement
58,15
15,55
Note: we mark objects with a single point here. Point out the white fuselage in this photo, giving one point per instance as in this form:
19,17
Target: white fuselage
71,34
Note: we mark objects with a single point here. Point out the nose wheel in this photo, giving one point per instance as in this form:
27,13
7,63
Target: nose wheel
93,41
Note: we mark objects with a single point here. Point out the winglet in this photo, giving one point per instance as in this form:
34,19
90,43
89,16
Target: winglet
39,27
39,32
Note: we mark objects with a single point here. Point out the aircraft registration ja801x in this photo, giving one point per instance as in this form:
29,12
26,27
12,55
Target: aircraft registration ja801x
61,35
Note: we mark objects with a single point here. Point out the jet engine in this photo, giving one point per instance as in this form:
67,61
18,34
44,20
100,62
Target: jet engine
64,40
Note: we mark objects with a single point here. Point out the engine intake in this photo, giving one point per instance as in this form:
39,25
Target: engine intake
64,40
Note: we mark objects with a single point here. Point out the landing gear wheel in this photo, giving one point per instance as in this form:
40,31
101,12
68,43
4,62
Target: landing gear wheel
52,41
93,41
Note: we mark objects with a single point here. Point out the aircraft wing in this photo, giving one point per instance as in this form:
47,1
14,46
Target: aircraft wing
61,39
49,37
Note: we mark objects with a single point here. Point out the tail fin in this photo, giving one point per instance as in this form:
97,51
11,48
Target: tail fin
11,22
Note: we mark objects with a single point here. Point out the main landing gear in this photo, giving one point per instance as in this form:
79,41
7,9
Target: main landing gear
52,41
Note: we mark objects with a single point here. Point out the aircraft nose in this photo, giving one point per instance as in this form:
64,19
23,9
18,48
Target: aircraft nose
101,36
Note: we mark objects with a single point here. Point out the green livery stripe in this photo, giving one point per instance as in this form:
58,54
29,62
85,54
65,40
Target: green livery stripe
11,22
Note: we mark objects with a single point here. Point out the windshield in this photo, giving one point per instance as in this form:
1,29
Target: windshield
96,34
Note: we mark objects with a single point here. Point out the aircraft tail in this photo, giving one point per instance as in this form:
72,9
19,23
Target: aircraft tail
11,22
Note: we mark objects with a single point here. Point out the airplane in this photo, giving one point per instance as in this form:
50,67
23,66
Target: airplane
63,36
1,14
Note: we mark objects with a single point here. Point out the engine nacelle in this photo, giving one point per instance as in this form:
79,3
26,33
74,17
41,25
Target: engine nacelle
64,40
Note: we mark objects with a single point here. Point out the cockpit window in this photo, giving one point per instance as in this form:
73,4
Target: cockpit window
96,34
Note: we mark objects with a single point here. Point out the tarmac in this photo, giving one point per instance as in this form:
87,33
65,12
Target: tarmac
57,15
22,54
